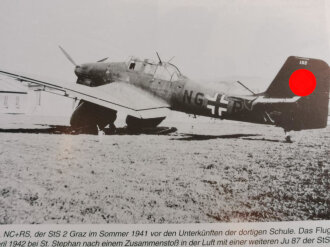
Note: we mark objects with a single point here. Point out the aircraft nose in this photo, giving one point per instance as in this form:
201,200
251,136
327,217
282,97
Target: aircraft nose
78,70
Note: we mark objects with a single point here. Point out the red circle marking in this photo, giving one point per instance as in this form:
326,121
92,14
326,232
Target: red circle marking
302,82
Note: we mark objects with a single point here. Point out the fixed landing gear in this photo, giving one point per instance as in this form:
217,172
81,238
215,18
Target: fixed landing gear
134,123
89,118
100,132
287,136
111,129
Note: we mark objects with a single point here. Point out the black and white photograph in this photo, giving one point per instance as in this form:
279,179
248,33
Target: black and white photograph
171,112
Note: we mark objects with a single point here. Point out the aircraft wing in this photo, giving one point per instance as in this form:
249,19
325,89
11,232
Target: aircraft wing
119,96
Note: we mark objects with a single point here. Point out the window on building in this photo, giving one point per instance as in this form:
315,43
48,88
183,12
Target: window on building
5,103
17,102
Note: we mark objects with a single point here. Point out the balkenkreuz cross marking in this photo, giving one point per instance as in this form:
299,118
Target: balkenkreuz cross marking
217,104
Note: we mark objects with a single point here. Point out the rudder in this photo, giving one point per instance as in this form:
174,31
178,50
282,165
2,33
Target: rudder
309,112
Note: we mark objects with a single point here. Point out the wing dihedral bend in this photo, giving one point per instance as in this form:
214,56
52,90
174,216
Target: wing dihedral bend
119,96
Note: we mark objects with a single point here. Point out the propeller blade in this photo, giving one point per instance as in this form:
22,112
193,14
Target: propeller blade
102,60
68,56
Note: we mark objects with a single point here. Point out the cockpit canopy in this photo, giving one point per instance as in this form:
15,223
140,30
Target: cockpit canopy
163,71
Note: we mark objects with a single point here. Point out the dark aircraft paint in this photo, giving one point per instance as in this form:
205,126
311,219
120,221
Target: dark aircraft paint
199,97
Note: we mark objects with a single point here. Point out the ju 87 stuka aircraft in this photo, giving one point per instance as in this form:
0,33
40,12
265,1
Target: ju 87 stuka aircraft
297,99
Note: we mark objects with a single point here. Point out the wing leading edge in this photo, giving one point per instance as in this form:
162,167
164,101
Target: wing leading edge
119,96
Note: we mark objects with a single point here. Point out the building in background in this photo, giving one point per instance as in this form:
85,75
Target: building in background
22,98
13,96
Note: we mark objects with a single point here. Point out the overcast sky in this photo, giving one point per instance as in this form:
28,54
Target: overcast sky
209,39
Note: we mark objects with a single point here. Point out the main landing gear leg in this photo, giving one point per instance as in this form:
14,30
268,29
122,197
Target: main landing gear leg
104,131
112,126
287,136
100,131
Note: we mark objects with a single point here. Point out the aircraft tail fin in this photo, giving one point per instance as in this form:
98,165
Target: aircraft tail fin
308,112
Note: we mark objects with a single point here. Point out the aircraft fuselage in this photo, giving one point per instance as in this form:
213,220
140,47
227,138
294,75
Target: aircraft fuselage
278,105
182,94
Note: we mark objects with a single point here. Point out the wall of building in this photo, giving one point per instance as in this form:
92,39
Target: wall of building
13,102
48,104
21,98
